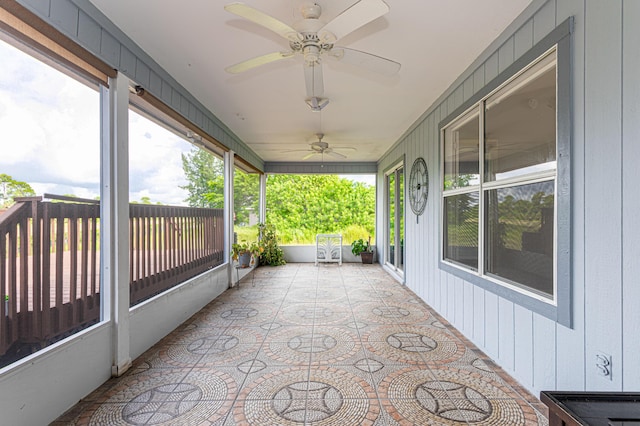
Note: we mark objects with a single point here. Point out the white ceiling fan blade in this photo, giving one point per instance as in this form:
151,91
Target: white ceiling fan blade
288,150
311,154
262,19
334,154
343,148
359,14
366,60
313,80
257,61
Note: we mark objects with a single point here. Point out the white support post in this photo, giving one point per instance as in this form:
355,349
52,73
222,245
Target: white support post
262,216
228,211
115,217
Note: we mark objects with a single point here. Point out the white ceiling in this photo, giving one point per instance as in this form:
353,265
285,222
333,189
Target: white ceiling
194,40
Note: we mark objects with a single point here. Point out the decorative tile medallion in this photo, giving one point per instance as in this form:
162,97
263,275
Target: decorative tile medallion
413,345
328,397
391,313
167,399
448,396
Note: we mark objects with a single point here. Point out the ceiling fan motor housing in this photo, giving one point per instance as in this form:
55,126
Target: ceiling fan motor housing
310,45
319,146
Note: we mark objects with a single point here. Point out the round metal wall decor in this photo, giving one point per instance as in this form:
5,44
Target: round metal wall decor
418,186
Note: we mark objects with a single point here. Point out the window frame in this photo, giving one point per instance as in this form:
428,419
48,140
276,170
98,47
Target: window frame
560,308
399,258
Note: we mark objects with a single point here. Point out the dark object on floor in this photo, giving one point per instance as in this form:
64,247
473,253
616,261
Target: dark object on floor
592,408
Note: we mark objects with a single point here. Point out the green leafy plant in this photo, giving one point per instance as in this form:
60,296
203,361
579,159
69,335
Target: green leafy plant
255,249
359,246
272,254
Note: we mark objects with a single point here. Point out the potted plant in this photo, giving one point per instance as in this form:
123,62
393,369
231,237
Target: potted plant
246,253
272,254
363,249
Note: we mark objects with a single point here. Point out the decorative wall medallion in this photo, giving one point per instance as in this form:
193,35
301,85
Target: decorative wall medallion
418,186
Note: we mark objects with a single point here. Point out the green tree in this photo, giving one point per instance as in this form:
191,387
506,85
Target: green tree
205,176
246,194
11,188
301,206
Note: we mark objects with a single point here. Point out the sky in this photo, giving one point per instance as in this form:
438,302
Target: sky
49,137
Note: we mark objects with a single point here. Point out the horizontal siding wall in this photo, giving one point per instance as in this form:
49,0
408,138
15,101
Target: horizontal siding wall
86,25
538,352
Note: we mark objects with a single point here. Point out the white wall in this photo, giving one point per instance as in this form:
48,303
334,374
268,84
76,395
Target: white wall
307,254
155,318
540,353
42,386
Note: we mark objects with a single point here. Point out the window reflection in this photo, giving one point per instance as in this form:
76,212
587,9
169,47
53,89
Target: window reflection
462,153
520,125
461,230
520,235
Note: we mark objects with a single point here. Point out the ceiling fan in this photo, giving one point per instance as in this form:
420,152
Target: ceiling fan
312,39
321,147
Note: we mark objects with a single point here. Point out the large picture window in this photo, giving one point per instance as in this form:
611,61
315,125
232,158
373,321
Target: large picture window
499,183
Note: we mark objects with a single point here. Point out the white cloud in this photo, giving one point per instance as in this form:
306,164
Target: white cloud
155,162
50,136
49,123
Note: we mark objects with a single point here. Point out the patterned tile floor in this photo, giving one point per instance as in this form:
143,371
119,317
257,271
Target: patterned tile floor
299,344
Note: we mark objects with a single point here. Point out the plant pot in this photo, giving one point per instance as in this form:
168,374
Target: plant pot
244,260
367,257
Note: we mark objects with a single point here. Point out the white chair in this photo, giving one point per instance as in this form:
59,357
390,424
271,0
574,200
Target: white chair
329,248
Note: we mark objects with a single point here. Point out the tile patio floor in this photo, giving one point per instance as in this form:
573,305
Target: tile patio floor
299,344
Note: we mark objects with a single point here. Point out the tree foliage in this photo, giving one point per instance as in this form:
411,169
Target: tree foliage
204,173
11,188
205,176
299,206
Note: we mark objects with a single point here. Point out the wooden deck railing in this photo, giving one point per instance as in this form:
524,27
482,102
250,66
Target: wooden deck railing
171,244
49,270
50,262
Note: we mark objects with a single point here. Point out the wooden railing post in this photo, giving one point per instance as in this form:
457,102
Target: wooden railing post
36,264
46,271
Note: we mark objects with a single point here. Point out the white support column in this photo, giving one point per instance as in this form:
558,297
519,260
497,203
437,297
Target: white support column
115,217
228,211
262,216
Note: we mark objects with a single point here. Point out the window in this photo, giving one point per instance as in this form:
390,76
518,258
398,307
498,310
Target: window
50,243
176,226
500,183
